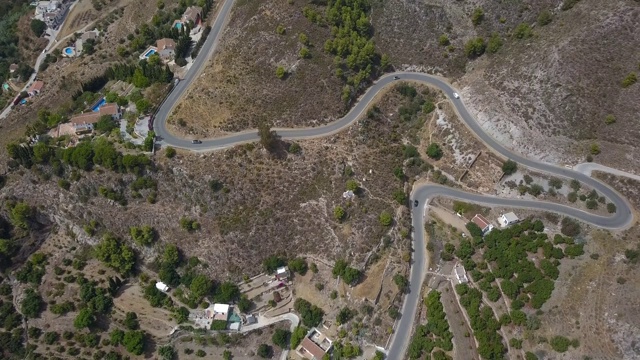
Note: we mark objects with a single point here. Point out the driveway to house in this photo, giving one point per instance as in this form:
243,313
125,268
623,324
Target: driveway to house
265,321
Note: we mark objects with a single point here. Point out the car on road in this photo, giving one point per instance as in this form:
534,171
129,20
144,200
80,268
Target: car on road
396,77
196,142
415,203
455,95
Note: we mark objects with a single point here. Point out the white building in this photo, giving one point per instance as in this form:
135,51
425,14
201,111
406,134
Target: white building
282,273
461,274
162,286
508,219
221,312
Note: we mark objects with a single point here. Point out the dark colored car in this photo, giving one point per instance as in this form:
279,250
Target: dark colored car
396,77
415,203
196,142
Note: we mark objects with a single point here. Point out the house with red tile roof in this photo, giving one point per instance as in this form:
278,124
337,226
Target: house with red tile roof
94,116
482,223
35,88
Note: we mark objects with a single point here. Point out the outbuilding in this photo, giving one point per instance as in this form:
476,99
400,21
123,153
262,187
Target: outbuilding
508,219
162,286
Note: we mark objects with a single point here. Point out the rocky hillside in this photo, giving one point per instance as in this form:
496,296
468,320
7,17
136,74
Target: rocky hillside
550,81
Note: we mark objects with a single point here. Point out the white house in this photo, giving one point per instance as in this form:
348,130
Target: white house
282,273
162,286
508,219
221,312
461,274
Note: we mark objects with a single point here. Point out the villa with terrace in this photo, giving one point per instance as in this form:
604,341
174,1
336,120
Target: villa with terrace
35,88
76,49
193,14
94,116
166,49
52,12
314,346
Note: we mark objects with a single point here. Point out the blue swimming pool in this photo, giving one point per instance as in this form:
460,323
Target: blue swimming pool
69,51
97,106
149,53
178,26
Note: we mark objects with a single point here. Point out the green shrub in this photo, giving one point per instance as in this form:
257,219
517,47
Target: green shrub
494,44
443,40
170,152
477,16
475,47
545,18
631,79
434,151
523,31
560,343
400,196
280,72
609,119
568,4
509,167
385,218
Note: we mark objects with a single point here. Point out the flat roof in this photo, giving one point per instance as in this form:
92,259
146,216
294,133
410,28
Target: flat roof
221,308
510,216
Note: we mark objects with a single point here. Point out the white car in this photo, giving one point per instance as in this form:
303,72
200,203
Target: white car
455,95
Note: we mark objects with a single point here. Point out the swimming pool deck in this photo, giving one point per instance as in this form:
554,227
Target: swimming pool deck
148,52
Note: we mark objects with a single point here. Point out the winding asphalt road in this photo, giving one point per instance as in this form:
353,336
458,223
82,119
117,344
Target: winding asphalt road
423,193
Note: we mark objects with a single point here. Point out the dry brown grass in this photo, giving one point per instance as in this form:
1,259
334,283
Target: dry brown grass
239,87
155,321
371,286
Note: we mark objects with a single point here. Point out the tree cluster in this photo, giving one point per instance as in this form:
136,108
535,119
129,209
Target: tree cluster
435,333
348,274
141,75
116,254
352,44
311,315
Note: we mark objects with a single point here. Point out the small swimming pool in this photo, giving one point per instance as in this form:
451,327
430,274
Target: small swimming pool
149,53
178,26
69,51
23,101
97,106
